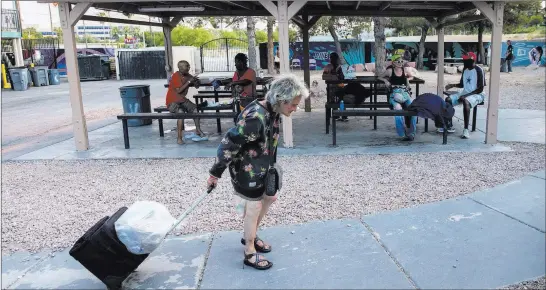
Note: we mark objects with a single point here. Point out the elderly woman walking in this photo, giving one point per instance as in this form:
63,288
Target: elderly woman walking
250,150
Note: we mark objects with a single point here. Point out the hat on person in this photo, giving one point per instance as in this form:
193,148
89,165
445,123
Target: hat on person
395,57
470,55
399,51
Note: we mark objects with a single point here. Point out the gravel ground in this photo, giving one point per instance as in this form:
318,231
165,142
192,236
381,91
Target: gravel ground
539,283
49,204
522,89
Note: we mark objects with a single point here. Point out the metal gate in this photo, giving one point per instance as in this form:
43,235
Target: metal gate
43,51
218,55
142,65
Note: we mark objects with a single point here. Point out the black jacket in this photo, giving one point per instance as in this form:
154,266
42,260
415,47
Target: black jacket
433,107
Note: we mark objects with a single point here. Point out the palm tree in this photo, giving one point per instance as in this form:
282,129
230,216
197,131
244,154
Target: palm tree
103,14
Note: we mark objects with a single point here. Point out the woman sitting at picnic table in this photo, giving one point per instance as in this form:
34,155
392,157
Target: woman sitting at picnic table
397,81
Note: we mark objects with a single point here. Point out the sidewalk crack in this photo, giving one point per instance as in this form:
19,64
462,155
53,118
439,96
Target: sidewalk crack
205,262
370,229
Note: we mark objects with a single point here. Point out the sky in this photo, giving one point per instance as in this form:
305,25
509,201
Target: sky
34,14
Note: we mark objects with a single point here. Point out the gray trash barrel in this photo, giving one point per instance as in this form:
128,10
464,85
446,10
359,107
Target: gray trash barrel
54,77
19,78
39,76
136,99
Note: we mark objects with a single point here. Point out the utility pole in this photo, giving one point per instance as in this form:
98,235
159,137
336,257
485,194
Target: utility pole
50,18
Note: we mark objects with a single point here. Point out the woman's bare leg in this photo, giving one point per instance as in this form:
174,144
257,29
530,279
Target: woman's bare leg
266,203
252,212
180,129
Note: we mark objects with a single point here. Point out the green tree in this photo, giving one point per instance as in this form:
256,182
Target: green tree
59,32
154,39
86,39
115,33
518,16
379,24
186,36
406,24
337,27
31,33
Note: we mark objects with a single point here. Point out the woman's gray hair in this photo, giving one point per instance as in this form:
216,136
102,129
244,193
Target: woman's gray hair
284,89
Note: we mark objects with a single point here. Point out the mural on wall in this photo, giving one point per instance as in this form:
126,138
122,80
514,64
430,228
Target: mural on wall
521,52
319,53
452,49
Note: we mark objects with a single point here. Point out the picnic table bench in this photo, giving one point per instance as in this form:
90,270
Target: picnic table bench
170,116
376,88
374,113
474,111
163,109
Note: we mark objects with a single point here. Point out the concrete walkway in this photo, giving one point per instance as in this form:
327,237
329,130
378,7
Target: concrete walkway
485,239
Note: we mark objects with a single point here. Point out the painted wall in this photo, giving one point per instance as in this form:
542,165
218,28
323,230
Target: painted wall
362,52
319,52
521,52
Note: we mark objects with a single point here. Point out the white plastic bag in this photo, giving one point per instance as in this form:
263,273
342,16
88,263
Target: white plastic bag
143,226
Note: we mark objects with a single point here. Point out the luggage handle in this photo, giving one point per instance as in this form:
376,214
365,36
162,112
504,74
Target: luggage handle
191,208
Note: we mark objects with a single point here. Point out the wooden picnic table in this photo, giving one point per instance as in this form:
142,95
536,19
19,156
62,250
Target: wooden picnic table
452,61
260,81
375,85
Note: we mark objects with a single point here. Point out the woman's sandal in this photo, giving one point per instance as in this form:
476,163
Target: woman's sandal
258,248
256,263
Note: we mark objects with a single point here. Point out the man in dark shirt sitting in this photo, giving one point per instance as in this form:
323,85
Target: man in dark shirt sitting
472,83
352,93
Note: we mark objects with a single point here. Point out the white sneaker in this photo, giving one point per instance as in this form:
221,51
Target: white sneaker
466,134
449,130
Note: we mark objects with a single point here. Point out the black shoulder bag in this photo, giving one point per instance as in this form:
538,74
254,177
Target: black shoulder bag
272,180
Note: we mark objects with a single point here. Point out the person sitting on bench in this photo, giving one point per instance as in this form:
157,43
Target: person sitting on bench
243,83
397,81
352,93
472,83
176,100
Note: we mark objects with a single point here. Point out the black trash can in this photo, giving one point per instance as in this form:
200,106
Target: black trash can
136,99
101,252
504,67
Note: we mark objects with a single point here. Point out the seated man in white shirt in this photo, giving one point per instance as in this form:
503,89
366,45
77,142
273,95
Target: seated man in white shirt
472,84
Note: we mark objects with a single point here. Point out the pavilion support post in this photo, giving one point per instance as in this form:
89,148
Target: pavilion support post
69,17
305,24
167,31
283,12
18,51
495,15
306,69
440,61
284,47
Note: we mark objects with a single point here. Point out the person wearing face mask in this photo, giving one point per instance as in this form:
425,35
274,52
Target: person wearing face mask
472,83
248,150
396,78
243,83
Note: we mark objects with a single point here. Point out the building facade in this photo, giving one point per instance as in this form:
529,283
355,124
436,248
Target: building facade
11,33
